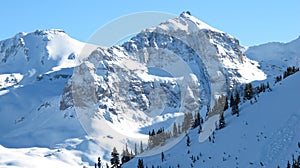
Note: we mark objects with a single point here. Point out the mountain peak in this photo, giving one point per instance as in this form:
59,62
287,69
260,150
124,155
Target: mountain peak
41,50
38,32
200,24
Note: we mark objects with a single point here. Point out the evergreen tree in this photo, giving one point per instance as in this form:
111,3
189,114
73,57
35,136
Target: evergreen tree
178,129
197,120
262,87
135,149
125,155
221,121
99,162
175,132
268,86
237,98
248,91
235,105
231,101
151,140
141,147
200,129
131,155
114,161
278,78
226,103
140,163
235,110
188,141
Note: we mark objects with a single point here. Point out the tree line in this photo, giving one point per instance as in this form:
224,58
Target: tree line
289,71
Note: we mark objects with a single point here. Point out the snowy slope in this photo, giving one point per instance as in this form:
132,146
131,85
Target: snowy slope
275,57
264,135
34,70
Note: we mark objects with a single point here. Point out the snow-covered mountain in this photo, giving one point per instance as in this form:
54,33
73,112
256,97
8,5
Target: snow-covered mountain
66,102
33,73
179,66
41,52
275,57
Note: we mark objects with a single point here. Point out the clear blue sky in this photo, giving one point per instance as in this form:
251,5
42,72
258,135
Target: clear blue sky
252,22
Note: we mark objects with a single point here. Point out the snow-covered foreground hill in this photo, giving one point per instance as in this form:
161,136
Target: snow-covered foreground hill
266,134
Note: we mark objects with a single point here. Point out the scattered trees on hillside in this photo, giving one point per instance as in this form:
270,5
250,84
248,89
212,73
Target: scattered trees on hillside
98,165
263,87
295,163
289,71
126,156
278,78
158,137
115,157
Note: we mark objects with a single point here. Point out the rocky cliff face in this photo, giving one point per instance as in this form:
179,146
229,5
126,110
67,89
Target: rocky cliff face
179,66
186,61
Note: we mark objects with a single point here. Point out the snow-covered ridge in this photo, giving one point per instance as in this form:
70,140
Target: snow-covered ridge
275,57
40,52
